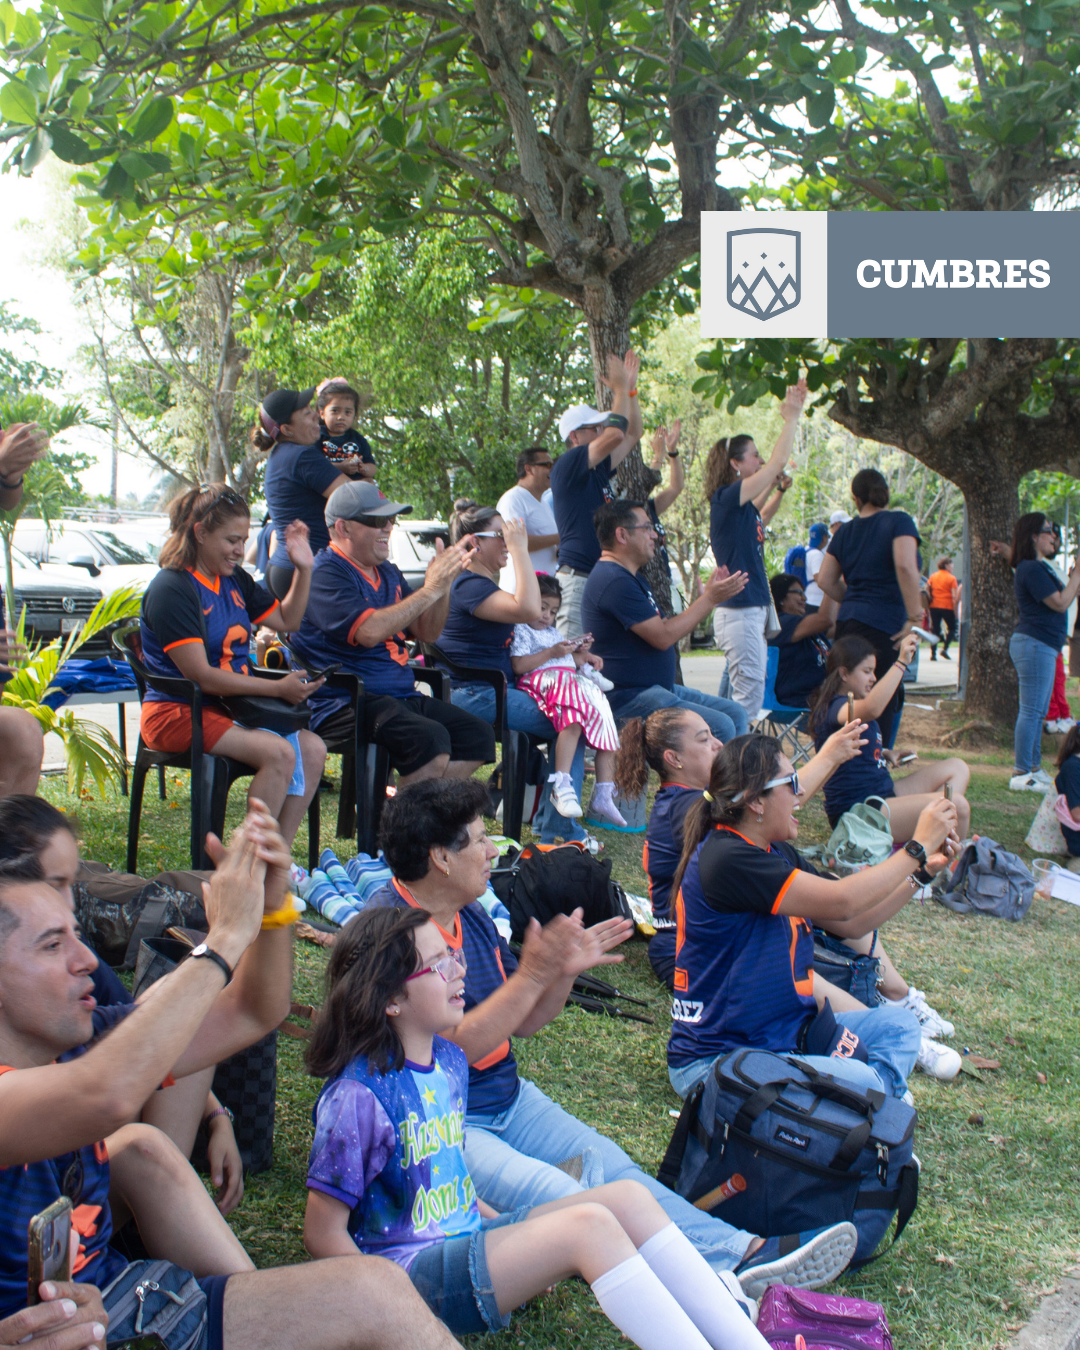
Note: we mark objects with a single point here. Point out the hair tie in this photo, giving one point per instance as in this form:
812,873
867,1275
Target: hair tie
708,795
268,424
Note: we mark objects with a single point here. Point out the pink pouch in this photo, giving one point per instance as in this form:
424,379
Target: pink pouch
825,1321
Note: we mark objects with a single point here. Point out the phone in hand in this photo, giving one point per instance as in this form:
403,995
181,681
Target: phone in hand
906,759
48,1247
948,792
850,709
322,674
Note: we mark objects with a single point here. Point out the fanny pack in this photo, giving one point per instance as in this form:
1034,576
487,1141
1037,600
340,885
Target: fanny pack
824,1035
156,1298
822,1320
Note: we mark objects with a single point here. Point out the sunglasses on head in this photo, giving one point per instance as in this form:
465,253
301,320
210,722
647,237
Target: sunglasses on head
227,495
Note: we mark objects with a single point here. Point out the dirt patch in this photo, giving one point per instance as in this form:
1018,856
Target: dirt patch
926,730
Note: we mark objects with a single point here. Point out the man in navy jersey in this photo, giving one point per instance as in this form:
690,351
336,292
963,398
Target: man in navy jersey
629,632
63,1094
360,610
596,444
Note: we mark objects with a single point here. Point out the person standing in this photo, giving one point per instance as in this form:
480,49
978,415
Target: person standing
815,556
944,590
597,443
736,476
526,501
1036,641
871,569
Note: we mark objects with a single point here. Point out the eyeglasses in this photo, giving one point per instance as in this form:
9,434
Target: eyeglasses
645,525
447,967
542,464
792,778
487,534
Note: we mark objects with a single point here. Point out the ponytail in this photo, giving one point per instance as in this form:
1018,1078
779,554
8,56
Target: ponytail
739,774
718,470
845,654
260,441
641,748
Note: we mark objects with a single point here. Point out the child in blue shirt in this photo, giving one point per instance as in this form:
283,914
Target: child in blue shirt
387,1172
338,405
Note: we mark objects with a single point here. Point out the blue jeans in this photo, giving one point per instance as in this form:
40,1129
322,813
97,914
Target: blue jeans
523,714
725,717
892,1037
512,1158
1035,662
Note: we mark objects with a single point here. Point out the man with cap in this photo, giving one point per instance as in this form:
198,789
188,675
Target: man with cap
837,519
299,477
597,443
359,612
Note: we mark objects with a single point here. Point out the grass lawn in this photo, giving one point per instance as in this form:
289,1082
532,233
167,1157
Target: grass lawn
999,1214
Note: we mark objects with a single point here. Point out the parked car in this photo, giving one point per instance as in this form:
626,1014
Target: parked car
58,601
412,546
111,560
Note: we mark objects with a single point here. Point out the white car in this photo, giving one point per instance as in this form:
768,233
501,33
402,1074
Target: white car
58,601
412,546
106,558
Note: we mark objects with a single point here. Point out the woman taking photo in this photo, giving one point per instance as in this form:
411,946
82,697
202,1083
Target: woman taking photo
746,903
871,569
196,620
1037,641
852,667
801,646
736,478
479,629
299,477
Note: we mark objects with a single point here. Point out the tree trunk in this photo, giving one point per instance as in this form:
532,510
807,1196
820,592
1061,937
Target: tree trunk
607,314
990,485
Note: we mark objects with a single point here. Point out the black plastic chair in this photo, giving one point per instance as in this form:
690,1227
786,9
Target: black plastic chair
514,745
211,775
365,766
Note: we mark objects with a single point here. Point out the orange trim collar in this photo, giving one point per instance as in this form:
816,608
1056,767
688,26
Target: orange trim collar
453,939
375,580
214,585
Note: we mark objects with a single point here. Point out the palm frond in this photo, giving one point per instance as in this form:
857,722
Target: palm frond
90,749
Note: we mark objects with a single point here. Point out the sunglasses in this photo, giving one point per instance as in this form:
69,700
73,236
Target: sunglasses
447,967
792,778
227,495
375,522
487,534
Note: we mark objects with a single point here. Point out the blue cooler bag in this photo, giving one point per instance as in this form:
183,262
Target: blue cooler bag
811,1150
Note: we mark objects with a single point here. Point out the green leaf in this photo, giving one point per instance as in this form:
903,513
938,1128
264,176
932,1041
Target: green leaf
843,64
152,120
67,146
117,183
393,131
820,106
17,104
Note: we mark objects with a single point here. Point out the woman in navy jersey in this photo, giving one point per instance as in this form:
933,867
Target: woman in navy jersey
852,670
737,480
745,906
196,621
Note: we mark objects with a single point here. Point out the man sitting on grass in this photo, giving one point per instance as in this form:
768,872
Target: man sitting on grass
62,1093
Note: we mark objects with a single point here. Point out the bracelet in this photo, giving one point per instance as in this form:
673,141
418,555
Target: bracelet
900,663
618,420
922,876
673,454
10,487
283,917
218,1111
632,393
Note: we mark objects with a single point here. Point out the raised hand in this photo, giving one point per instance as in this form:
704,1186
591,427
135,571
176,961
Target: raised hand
447,564
722,585
515,535
234,898
20,445
298,546
595,944
792,406
935,824
846,743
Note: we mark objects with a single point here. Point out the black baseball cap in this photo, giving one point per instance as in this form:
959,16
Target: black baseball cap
279,406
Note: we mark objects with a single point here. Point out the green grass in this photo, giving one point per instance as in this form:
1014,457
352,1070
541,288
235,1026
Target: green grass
999,1215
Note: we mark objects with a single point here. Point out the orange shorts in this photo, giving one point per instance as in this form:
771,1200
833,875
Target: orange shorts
167,726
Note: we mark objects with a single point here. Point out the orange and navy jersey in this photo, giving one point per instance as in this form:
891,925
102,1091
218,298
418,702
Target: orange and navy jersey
343,595
171,617
663,843
25,1190
493,1080
744,972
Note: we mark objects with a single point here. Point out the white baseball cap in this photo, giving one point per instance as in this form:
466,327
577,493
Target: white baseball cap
580,415
839,518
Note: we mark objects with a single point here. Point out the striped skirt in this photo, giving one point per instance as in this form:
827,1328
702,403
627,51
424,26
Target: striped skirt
568,699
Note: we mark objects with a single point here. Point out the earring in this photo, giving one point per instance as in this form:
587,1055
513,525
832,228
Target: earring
446,871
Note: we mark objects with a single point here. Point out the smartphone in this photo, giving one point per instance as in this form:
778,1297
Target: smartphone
850,709
906,759
48,1247
322,674
948,792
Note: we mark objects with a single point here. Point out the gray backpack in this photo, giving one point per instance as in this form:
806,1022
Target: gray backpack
989,880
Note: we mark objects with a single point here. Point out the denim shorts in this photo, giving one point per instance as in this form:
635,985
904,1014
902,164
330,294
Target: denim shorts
452,1278
185,1312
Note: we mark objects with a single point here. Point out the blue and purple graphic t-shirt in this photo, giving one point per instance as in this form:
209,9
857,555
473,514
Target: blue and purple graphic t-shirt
390,1147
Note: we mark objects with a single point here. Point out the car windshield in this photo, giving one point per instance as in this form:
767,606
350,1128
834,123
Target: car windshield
122,550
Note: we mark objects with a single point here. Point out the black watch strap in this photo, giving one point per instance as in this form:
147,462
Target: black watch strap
915,850
203,952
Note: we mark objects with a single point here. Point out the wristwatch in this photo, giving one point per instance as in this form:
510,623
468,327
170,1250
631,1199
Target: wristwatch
915,850
203,952
672,454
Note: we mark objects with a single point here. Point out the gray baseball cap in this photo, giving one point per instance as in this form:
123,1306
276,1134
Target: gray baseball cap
352,500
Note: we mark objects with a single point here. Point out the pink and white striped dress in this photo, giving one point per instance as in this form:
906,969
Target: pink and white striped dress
565,696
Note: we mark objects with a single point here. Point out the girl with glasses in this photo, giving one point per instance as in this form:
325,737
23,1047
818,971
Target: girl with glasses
746,903
387,1172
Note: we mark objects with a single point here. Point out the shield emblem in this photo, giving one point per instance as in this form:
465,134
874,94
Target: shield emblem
763,271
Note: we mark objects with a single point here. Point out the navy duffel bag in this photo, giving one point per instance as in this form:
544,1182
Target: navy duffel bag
811,1150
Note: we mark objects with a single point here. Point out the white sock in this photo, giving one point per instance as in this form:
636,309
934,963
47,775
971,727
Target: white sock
639,1305
699,1291
604,800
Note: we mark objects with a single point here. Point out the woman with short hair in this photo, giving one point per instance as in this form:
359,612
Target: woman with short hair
871,569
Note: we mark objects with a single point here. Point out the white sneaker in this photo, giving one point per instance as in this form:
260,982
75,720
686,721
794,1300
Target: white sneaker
598,678
1065,723
939,1061
563,796
1042,778
931,1021
909,1100
1025,782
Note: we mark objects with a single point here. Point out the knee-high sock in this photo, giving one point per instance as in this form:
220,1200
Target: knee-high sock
639,1305
697,1289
